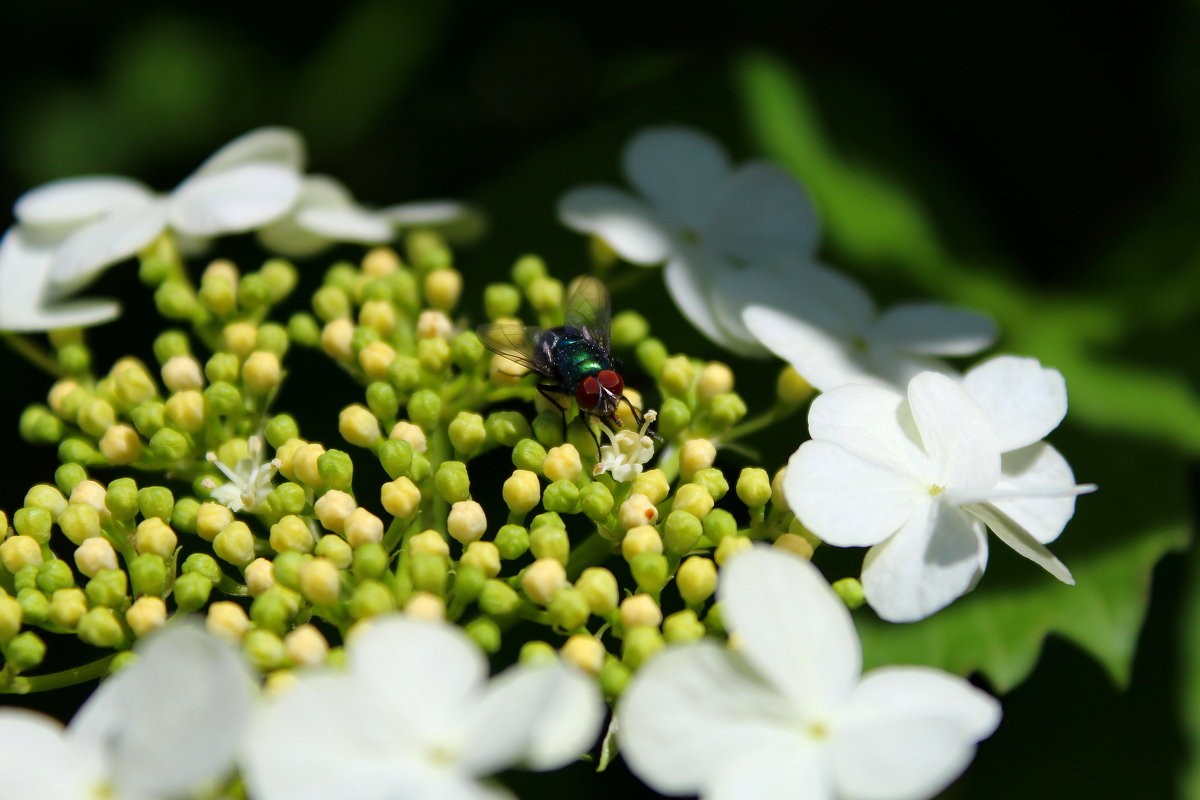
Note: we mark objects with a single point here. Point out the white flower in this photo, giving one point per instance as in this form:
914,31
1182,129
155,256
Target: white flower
918,478
414,716
249,480
28,300
626,451
163,727
827,327
327,212
784,712
701,216
104,219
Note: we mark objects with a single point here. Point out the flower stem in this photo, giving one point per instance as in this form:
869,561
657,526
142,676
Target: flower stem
57,680
778,412
31,352
593,550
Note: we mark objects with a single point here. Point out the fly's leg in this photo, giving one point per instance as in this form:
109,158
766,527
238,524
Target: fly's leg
639,417
547,391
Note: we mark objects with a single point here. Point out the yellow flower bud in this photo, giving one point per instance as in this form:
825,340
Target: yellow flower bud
778,498
291,533
260,576
505,372
20,551
430,543
358,426
286,454
363,527
227,620
637,510
67,607
235,544
624,414
92,493
181,373
408,432
332,509
379,262
562,463
695,455
58,393
156,537
240,338
653,484
262,372
696,579
522,491
795,543
337,338
730,546
677,374
186,410
221,268
305,646
694,498
542,579
434,325
442,288
320,581
304,464
466,523
425,606
641,539
80,521
791,387
484,556
378,314
599,587
279,682
121,445
375,359
211,519
585,652
146,615
336,549
400,497
93,555
640,609
716,378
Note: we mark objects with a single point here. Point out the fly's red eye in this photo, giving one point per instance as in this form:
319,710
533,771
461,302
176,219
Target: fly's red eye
587,393
611,381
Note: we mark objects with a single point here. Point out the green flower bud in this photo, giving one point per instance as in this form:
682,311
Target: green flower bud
303,329
405,374
718,524
370,561
26,577
54,575
67,607
754,487
223,367
39,426
548,518
168,445
280,429
428,572
629,328
191,591
263,648
651,353
433,354
108,588
218,292
498,599
561,497
378,291
547,427
501,300
287,498
614,677
512,541
287,568
370,599
34,523
467,432
222,399
485,632
395,456
273,339
25,650
336,469
362,337
467,351
681,532
382,400
683,627
714,625
175,300
420,468
596,501
183,517
507,428
203,564
96,416
452,482
35,606
67,477
713,480
134,385
43,495
122,499
75,359
549,541
673,417
281,277
78,451
148,574
330,303
851,592
569,608
272,611
696,579
640,643
156,501
536,652
253,292
528,454
650,571
169,344
335,549
528,269
425,408
727,409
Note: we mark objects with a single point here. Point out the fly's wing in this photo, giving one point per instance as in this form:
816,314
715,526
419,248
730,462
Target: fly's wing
590,310
517,343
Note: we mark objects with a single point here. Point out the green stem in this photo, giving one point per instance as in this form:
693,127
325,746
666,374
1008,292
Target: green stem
57,680
31,352
593,550
778,412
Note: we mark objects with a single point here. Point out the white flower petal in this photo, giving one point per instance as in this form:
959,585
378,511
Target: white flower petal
1023,399
690,711
873,423
346,224
954,431
846,500
792,627
928,564
24,283
763,217
908,732
119,235
274,145
38,762
813,293
233,200
429,213
934,329
692,278
1037,466
824,359
795,770
542,718
681,171
1020,540
624,222
73,201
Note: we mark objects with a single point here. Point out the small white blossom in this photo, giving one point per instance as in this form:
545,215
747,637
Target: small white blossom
917,478
626,451
700,215
785,712
249,480
828,328
415,716
164,727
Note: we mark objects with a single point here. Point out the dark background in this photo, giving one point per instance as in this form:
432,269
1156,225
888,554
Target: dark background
1030,129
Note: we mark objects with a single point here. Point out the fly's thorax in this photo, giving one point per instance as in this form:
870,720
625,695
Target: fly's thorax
575,356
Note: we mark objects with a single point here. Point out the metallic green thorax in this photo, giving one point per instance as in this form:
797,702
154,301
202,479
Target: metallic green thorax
574,356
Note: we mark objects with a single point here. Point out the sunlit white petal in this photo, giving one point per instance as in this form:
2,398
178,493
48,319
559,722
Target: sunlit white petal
954,431
73,201
233,200
1038,466
934,329
25,258
624,222
282,146
1023,399
38,761
1021,541
119,235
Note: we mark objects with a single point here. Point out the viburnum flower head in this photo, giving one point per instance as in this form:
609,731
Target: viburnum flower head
700,215
249,480
919,478
415,716
828,328
626,451
163,727
784,711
